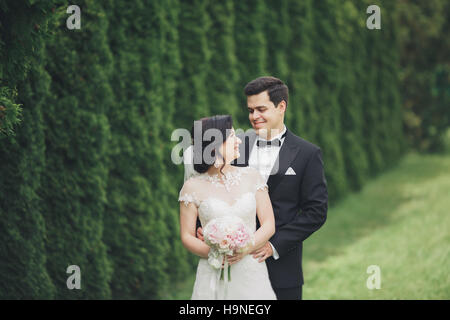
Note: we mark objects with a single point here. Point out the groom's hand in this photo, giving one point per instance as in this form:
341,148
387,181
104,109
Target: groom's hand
200,234
263,253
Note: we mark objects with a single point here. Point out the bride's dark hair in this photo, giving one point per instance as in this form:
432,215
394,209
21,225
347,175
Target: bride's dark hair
223,123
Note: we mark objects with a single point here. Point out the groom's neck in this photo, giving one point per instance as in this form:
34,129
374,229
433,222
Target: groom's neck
269,134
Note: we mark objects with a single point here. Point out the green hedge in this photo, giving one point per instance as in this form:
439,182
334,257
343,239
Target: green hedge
23,84
86,175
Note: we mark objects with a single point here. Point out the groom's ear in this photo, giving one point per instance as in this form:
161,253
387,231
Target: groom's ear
282,106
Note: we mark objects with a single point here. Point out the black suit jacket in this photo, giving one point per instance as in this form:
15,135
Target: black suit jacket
300,203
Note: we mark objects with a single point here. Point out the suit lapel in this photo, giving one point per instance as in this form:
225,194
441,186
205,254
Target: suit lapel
287,154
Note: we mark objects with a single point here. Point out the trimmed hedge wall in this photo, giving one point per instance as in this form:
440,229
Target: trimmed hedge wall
86,118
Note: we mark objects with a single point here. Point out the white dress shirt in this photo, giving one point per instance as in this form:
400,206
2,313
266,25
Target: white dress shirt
263,159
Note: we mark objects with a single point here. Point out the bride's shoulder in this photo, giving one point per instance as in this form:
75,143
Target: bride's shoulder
192,181
190,188
188,192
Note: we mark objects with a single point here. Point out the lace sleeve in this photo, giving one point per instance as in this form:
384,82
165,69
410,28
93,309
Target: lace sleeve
187,194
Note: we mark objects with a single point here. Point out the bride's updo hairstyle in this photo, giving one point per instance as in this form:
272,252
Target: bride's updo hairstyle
223,125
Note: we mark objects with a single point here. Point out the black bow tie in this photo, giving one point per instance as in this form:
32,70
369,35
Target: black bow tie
275,142
265,143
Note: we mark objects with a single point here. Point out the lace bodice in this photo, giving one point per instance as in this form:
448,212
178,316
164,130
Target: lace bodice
215,196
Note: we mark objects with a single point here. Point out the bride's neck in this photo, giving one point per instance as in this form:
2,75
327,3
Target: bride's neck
213,170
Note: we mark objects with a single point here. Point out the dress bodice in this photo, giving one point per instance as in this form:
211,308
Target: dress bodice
217,197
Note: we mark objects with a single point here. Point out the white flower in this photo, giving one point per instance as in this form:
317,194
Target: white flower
215,262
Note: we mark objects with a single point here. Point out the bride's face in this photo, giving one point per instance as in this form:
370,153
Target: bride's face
230,148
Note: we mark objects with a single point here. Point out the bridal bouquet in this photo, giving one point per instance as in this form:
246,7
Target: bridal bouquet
226,235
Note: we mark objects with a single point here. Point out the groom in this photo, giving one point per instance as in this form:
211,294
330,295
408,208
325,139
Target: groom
293,169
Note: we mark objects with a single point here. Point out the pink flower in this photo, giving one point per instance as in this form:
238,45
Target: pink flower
224,244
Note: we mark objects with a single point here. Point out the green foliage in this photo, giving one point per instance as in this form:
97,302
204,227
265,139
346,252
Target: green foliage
302,114
10,112
352,55
77,135
251,47
23,86
86,118
424,50
328,82
278,31
139,231
23,24
23,27
179,262
23,272
195,54
221,86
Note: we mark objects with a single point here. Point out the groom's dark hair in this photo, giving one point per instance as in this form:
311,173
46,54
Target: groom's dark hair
276,89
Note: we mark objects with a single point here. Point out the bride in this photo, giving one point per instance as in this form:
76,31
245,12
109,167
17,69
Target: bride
219,189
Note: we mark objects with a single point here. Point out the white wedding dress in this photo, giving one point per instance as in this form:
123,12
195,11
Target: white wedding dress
235,196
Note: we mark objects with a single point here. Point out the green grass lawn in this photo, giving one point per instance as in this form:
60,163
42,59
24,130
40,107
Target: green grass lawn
399,222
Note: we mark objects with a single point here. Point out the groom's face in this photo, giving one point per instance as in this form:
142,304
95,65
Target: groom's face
263,114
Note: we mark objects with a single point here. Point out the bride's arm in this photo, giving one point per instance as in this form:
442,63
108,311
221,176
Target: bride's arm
188,220
266,218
